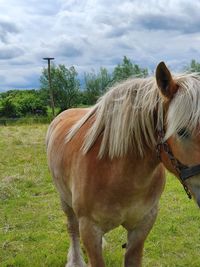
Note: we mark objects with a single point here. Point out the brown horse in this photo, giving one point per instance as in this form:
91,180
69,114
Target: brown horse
108,161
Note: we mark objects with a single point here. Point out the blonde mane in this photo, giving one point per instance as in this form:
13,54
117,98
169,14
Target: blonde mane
128,115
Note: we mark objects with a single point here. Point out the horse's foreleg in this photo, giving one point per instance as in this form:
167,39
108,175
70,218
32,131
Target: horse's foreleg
91,236
136,238
74,254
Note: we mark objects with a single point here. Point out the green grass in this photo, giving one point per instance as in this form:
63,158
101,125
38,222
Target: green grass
32,225
27,120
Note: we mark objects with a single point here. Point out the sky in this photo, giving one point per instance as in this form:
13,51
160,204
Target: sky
90,34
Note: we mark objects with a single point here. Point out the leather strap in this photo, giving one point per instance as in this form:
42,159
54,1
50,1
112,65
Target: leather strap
188,172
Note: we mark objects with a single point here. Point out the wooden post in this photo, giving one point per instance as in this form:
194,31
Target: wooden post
50,85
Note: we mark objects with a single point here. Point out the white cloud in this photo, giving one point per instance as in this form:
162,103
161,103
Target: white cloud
94,33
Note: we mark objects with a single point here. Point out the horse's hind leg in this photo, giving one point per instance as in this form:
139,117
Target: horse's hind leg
74,255
91,236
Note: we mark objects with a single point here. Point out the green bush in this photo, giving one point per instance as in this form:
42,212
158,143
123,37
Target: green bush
16,104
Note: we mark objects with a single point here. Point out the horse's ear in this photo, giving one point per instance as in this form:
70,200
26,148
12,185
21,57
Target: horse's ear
165,81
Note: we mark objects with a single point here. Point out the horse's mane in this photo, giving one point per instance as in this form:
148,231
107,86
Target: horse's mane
128,115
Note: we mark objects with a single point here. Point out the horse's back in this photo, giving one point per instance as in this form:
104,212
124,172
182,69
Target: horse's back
64,121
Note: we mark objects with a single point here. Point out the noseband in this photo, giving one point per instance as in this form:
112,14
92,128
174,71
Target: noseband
184,172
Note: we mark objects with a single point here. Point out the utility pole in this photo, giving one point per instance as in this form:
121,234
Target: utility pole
50,85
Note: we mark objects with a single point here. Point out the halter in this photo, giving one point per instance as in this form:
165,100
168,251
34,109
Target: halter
184,172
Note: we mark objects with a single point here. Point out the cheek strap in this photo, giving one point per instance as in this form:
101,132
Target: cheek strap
188,172
184,172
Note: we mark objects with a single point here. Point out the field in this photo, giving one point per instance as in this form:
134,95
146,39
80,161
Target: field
32,225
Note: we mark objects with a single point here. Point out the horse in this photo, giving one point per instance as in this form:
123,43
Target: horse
108,161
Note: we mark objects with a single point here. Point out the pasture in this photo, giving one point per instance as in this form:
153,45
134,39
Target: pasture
32,225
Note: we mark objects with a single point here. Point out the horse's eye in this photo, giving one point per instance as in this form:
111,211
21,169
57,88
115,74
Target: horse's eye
183,133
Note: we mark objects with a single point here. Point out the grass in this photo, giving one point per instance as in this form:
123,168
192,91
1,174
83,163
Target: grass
32,225
27,120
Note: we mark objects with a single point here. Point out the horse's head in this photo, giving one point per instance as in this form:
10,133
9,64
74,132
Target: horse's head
181,150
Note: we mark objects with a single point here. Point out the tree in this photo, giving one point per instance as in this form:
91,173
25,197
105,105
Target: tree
65,86
96,84
19,103
105,80
194,66
127,69
7,107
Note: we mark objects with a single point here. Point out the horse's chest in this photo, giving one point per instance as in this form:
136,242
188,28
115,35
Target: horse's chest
129,214
119,203
136,212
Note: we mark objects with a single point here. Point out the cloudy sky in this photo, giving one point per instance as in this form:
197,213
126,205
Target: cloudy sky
94,33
